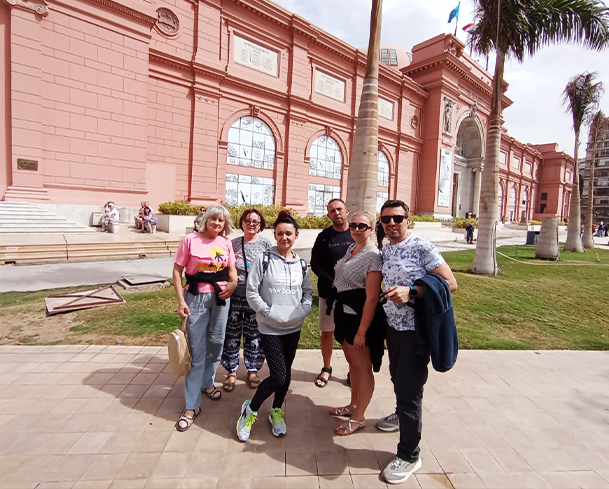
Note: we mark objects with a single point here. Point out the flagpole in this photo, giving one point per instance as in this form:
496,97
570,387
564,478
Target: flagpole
457,23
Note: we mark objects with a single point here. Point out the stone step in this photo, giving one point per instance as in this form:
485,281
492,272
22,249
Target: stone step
24,218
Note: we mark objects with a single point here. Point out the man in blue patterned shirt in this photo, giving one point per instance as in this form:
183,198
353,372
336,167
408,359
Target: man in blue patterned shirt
405,259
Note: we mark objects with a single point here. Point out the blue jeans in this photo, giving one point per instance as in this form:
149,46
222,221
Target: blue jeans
205,327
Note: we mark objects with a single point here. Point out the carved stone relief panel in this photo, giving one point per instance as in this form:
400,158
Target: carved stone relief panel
167,22
39,7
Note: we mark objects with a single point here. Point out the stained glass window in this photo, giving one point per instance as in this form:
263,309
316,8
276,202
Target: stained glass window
319,196
251,143
325,158
247,189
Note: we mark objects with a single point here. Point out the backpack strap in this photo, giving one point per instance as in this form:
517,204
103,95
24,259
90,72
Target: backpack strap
266,257
304,267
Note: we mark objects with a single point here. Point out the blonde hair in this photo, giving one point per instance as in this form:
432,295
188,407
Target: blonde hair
218,211
367,215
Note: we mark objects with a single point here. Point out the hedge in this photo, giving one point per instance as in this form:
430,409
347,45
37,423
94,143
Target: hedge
461,222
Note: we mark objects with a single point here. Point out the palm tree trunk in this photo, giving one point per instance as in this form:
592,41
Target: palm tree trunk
363,169
485,261
574,241
588,239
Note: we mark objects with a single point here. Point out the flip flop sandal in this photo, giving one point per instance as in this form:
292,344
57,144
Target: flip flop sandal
322,379
185,422
252,380
349,427
340,411
215,394
229,384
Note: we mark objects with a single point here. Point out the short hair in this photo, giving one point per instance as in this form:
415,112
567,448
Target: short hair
215,211
367,215
390,204
247,212
285,217
336,200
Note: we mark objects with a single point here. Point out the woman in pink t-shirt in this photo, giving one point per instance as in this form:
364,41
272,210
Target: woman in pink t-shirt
211,276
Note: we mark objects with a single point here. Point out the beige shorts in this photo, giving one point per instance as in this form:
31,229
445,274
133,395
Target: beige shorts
326,323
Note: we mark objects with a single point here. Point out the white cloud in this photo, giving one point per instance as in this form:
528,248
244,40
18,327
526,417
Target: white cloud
537,114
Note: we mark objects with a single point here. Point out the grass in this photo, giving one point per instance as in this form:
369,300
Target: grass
533,304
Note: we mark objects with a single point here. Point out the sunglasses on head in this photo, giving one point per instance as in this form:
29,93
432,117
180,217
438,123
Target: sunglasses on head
396,219
360,227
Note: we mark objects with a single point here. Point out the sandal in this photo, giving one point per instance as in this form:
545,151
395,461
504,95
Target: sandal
252,380
322,379
229,384
341,411
349,427
185,422
214,394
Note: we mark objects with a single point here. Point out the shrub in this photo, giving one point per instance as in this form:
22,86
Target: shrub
535,223
179,208
414,218
461,222
270,213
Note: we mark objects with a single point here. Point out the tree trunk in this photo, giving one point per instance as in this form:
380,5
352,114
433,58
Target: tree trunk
574,241
363,169
588,239
485,261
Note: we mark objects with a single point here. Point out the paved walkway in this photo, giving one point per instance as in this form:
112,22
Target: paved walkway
98,417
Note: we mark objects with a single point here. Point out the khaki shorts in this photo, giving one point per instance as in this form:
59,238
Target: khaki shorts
326,323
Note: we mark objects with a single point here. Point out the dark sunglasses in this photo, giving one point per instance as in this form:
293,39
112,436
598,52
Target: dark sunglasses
252,221
360,227
396,219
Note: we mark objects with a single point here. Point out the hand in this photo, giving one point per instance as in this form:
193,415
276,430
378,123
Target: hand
183,309
400,294
228,290
359,342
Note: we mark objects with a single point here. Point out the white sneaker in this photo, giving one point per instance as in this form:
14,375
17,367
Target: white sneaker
399,470
245,421
389,423
277,420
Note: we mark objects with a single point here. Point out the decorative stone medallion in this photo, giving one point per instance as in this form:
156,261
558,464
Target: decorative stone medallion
167,22
414,122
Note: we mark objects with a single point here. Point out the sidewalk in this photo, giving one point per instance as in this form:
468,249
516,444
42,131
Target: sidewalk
100,417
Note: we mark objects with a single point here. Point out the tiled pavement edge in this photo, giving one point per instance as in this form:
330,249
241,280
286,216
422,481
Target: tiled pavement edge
98,417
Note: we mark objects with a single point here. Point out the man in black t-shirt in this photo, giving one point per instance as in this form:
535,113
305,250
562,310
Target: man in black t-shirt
330,246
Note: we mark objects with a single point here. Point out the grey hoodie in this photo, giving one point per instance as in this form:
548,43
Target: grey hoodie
281,296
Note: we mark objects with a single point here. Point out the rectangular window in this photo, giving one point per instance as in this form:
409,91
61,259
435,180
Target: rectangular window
527,167
503,158
393,57
385,56
515,163
542,208
247,189
544,196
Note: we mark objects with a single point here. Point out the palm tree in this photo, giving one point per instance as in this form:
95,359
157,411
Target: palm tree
598,121
363,170
581,96
516,28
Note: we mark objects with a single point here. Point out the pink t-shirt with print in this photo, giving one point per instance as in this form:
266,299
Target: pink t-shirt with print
199,254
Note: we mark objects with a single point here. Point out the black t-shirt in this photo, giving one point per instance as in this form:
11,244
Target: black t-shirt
330,246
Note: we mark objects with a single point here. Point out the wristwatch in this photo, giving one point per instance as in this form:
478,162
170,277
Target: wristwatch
413,295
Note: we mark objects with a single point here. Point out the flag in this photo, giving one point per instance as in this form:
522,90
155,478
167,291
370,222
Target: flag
454,14
466,27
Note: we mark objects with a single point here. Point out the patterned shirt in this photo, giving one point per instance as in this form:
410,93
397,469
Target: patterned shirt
403,263
351,273
252,250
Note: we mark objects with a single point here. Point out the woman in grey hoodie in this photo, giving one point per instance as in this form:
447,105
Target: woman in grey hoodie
279,290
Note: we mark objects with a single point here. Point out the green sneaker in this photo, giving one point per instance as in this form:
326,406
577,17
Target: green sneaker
245,421
277,420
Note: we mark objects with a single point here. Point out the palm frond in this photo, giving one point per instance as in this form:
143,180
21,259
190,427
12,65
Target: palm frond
581,97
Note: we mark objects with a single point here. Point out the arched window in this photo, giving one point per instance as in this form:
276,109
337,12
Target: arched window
325,158
249,189
513,197
383,180
251,143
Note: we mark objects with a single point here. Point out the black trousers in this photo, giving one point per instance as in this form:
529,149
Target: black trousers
408,373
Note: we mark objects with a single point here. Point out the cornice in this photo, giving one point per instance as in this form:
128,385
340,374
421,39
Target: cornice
39,7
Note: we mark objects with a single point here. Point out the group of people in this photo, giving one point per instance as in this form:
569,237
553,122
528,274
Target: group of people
248,288
601,230
145,220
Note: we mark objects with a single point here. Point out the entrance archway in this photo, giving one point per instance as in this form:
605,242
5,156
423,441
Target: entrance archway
468,168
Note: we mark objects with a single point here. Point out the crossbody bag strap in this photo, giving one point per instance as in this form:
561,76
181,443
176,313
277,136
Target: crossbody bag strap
244,257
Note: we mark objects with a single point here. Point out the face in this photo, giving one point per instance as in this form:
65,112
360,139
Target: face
285,234
143,204
337,212
395,231
251,223
361,228
215,224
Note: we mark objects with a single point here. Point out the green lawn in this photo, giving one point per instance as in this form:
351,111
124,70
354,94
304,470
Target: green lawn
531,305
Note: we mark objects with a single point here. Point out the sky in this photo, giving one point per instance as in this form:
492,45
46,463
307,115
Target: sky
537,114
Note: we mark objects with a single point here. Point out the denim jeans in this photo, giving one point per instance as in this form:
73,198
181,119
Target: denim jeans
409,374
205,327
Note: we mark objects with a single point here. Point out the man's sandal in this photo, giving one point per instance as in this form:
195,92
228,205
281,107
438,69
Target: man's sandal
252,380
214,394
185,422
229,382
341,411
349,427
322,379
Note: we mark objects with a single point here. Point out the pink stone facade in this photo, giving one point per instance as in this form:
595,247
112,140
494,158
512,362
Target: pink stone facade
241,101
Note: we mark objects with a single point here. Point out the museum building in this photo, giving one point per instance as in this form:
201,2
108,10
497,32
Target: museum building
242,101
